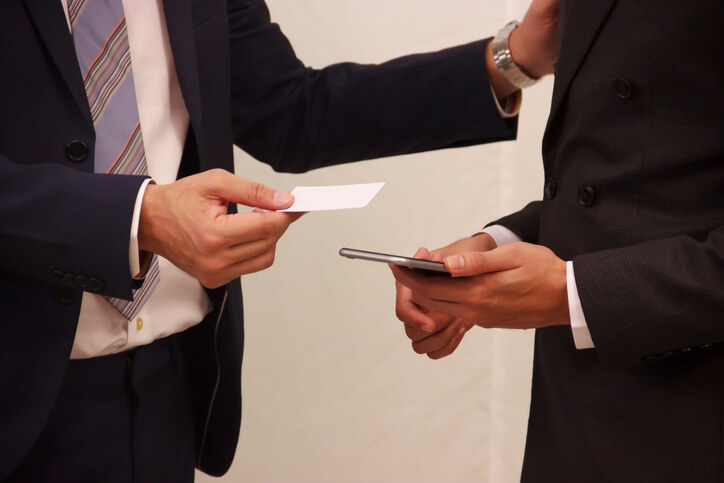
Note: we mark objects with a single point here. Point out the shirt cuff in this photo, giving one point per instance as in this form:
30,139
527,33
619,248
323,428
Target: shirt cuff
500,234
581,334
138,261
511,104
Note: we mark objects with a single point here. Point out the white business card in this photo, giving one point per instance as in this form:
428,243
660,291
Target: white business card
337,197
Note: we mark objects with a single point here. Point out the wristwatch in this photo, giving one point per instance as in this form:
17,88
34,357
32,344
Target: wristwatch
504,60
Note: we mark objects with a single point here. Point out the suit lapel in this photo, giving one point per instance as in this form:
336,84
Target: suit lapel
53,29
582,20
182,37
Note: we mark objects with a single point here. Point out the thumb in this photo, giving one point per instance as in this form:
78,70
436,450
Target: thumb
477,263
239,190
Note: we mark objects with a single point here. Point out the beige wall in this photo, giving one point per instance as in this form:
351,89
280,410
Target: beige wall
332,390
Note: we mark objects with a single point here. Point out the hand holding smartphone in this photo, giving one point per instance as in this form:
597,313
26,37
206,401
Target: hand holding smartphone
428,266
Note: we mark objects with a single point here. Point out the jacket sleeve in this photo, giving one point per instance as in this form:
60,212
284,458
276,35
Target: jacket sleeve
297,118
54,220
655,299
523,223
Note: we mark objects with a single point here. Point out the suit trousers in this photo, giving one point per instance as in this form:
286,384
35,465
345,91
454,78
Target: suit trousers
125,417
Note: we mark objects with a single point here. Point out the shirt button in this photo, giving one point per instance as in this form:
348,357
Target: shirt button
549,190
623,88
586,195
77,151
139,324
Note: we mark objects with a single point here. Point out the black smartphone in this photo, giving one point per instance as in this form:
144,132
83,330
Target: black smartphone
428,266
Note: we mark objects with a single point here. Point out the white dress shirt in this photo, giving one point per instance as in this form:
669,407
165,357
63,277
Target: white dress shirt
179,301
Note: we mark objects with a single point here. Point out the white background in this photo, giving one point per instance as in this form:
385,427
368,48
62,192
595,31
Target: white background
332,391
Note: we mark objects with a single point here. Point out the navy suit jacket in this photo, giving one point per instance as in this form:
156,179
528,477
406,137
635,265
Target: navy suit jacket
62,226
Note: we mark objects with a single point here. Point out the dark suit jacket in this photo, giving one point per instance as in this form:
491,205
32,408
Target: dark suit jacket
634,195
61,225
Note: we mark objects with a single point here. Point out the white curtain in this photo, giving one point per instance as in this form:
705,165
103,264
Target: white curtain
332,391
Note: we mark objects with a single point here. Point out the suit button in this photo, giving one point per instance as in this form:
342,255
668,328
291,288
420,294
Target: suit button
549,190
94,285
623,88
586,195
77,151
66,295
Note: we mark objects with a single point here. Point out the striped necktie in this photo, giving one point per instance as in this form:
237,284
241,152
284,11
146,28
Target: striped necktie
101,43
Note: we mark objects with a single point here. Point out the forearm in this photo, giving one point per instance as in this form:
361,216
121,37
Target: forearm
312,118
350,112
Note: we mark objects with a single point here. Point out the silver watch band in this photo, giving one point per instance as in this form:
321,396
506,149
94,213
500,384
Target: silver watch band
504,60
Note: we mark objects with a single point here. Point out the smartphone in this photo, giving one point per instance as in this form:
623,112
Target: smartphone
427,266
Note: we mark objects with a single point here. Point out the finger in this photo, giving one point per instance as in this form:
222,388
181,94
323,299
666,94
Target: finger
477,263
241,228
425,284
244,250
415,334
411,314
451,308
435,257
422,253
441,343
294,215
440,320
254,264
435,341
448,349
239,190
425,254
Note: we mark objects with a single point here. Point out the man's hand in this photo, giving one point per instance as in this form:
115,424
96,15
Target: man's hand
435,333
533,45
516,286
187,223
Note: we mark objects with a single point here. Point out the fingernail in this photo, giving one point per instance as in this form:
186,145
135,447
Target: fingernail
282,197
456,262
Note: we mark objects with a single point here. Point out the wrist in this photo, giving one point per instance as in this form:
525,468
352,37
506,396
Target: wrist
530,64
484,242
503,57
520,55
501,86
